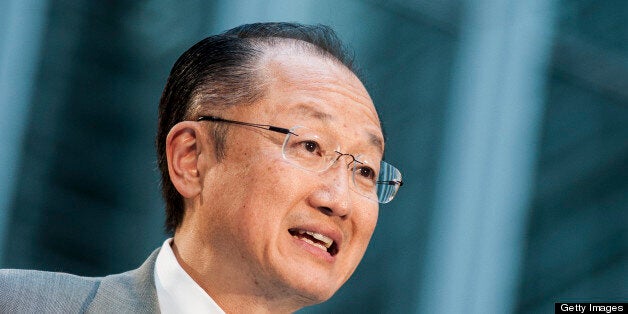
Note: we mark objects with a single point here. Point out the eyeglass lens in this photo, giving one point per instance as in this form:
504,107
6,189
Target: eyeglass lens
316,151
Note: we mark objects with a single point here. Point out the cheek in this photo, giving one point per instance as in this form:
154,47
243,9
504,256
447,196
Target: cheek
270,192
365,226
281,184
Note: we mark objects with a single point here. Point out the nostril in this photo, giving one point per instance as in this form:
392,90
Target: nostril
330,212
325,210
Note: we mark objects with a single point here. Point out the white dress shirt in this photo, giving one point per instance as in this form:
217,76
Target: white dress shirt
177,292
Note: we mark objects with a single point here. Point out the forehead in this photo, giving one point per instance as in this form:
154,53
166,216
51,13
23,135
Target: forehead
305,87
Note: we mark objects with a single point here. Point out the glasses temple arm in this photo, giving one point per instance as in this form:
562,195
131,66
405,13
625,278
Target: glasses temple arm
255,125
400,183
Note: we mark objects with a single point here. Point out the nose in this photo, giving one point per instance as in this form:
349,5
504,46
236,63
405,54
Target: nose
333,196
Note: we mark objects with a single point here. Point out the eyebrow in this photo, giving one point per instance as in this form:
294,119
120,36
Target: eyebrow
376,141
310,111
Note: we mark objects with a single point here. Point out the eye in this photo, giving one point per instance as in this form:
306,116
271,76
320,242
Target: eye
310,146
366,172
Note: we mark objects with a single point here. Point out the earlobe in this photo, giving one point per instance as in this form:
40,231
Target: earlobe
184,152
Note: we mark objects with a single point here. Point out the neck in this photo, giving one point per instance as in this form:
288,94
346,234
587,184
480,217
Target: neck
234,290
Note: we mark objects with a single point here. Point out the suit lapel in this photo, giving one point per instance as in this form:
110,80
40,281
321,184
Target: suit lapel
130,292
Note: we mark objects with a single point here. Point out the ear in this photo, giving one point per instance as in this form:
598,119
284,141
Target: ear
184,151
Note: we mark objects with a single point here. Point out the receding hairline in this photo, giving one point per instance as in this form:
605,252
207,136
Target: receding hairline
269,46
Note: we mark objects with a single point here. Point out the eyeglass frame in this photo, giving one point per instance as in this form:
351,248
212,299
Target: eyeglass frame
287,132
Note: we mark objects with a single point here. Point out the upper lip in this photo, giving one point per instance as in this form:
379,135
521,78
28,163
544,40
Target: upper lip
328,232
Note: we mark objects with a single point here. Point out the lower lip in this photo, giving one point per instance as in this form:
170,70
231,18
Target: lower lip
316,251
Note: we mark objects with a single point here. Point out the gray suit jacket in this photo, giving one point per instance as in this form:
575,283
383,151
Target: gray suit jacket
30,291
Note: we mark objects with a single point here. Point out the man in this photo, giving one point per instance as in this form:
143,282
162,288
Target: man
270,150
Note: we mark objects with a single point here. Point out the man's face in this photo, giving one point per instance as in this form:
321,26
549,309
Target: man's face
263,214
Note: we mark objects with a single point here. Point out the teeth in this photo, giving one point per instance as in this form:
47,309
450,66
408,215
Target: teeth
327,241
320,246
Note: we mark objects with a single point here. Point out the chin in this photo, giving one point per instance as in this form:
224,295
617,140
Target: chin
312,298
313,292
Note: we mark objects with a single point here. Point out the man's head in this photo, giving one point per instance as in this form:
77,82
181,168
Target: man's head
282,214
221,72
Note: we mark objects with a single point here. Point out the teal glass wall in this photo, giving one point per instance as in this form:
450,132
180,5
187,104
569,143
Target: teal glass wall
508,120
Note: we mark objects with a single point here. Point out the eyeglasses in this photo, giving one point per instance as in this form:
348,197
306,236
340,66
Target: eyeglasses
316,151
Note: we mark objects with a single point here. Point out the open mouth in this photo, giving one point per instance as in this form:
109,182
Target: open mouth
321,241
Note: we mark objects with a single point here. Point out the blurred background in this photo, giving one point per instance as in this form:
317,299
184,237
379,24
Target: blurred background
508,119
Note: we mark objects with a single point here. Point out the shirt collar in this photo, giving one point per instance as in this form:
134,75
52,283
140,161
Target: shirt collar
176,290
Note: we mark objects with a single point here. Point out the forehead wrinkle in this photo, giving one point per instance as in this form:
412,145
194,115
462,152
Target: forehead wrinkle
310,111
348,91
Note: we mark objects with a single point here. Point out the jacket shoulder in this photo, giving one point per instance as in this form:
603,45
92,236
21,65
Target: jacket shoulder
31,291
130,292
